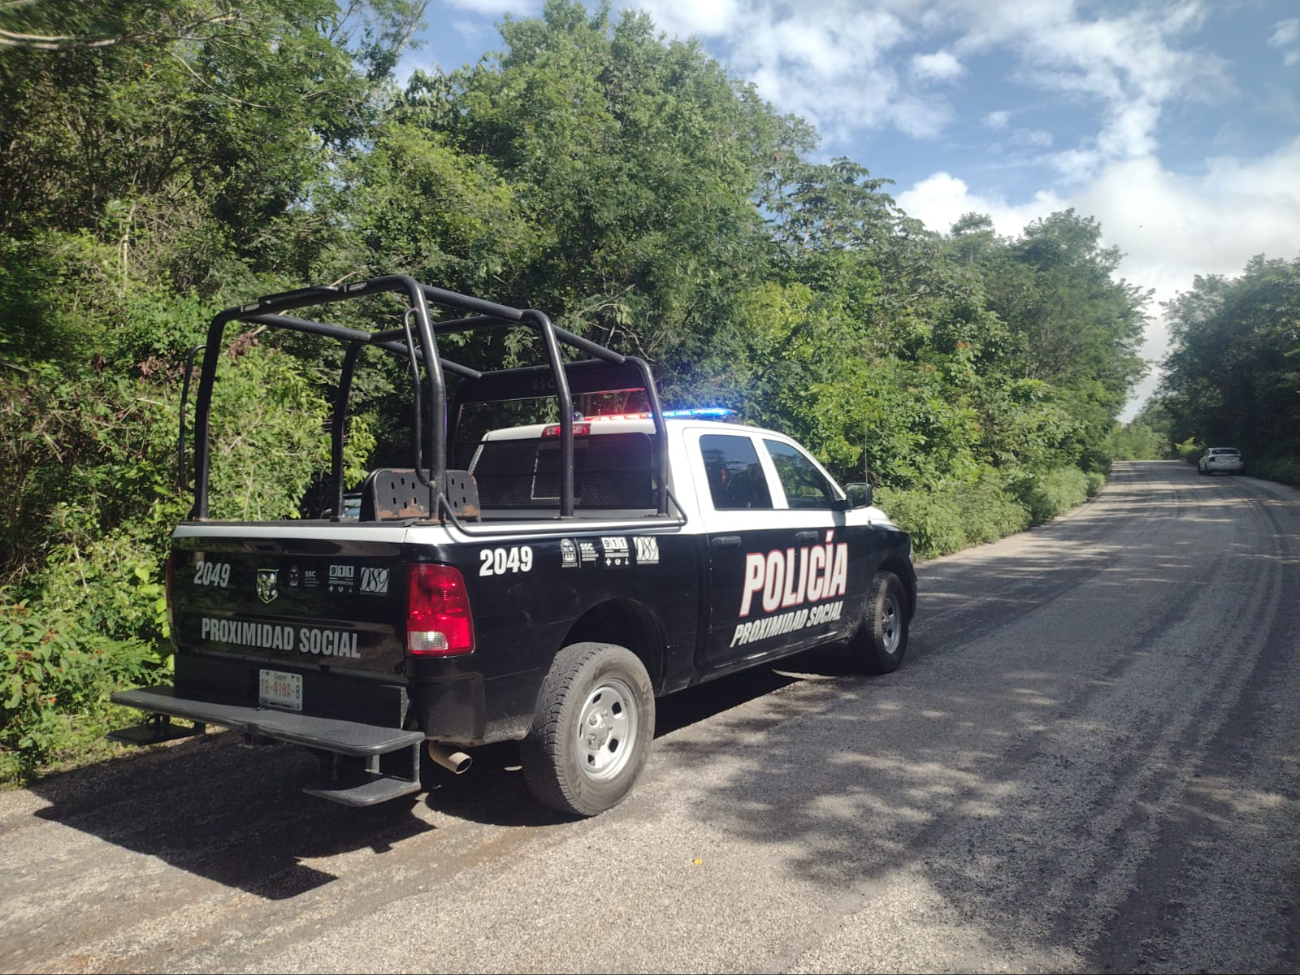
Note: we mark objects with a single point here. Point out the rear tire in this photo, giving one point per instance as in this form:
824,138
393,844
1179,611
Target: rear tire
881,640
592,730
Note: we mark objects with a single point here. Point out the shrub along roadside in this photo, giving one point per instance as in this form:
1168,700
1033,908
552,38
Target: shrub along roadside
54,707
956,515
1284,470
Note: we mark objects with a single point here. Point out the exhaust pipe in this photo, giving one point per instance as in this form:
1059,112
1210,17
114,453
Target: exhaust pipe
454,762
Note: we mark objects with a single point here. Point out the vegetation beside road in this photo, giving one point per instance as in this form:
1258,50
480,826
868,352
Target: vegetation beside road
208,151
1232,377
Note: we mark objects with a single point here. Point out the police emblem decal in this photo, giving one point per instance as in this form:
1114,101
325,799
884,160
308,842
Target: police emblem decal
267,589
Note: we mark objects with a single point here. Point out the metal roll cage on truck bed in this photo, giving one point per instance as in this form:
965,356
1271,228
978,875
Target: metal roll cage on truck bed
669,550
608,370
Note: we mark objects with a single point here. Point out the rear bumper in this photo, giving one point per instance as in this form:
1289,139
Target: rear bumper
351,738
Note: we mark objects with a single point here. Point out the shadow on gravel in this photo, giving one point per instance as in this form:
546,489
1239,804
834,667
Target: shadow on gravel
493,792
215,809
237,816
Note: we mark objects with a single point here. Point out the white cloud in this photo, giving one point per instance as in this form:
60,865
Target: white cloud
826,60
1036,138
705,18
833,61
1129,66
1286,37
496,8
940,199
851,67
939,66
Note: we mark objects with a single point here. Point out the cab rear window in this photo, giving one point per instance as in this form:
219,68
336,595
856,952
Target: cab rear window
612,470
736,478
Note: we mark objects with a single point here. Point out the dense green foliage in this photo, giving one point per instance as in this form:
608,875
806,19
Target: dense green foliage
1232,377
1137,440
166,160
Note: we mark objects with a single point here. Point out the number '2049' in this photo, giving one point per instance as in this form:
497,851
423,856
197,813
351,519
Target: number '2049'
499,561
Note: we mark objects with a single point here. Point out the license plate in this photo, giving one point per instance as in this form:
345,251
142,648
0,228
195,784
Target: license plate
277,689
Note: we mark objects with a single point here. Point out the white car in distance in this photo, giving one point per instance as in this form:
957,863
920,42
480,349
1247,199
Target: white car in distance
1225,460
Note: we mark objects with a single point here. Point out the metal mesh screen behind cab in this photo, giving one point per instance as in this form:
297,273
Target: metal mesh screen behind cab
612,470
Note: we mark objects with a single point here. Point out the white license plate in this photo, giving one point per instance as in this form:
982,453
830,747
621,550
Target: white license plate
277,689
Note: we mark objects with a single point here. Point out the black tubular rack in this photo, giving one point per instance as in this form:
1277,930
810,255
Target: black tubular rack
416,341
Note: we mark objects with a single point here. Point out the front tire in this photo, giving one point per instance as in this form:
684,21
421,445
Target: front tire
592,730
881,640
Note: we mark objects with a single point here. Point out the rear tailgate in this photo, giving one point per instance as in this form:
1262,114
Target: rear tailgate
291,599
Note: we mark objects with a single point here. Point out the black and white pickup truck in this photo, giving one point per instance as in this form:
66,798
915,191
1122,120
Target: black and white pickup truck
541,583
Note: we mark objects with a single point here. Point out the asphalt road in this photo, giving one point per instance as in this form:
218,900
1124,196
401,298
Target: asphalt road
1089,761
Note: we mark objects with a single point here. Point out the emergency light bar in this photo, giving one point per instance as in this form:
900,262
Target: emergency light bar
583,428
701,413
698,413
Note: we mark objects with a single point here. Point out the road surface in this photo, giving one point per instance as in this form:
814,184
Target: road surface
1090,760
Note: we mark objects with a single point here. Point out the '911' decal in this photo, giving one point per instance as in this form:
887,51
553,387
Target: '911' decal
499,561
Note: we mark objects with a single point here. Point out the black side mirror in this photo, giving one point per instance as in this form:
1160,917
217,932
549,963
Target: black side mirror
860,494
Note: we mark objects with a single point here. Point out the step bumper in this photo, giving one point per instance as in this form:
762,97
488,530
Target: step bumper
349,738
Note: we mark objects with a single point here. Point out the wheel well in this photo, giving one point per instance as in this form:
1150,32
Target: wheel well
626,623
907,575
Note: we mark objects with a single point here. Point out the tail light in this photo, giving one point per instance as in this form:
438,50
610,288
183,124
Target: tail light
438,621
579,430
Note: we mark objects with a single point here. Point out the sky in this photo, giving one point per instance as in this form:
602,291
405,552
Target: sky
1175,123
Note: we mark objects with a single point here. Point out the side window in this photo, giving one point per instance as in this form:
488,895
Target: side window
736,478
804,484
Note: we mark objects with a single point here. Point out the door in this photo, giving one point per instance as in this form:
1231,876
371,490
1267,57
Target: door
781,567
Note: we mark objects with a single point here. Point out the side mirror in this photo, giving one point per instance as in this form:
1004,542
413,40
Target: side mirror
859,494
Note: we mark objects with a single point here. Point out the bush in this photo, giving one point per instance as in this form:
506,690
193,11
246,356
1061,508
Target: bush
55,679
1135,441
1046,495
954,515
1189,451
1284,470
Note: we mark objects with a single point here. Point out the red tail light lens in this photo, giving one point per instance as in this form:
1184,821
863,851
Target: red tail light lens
438,621
579,430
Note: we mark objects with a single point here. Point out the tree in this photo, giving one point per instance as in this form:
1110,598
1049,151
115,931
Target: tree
1232,376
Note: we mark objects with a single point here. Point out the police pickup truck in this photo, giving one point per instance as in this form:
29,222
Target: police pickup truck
543,583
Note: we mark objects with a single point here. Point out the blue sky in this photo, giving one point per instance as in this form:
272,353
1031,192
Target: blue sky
1176,123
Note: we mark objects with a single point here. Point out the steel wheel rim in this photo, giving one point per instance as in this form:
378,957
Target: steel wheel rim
891,624
607,730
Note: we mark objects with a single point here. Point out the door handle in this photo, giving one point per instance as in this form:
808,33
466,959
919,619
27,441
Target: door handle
808,536
725,541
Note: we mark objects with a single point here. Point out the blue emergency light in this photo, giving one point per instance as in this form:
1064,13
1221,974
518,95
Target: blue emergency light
700,413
